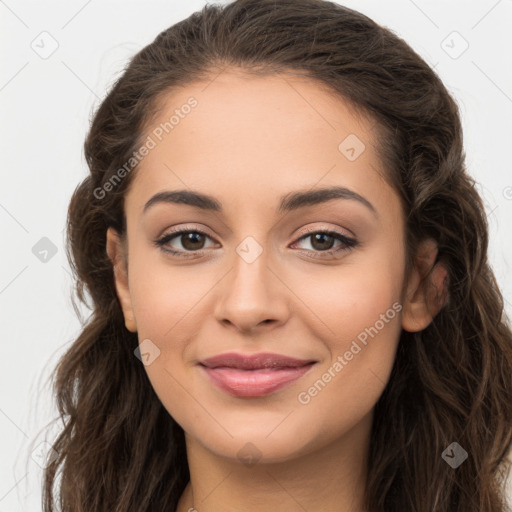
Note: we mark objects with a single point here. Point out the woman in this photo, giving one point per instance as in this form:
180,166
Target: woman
293,307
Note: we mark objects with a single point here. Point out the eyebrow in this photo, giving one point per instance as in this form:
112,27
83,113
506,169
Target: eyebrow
290,202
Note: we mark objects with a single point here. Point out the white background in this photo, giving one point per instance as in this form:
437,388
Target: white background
45,109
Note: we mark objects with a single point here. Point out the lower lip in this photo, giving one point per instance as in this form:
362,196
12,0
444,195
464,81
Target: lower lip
254,382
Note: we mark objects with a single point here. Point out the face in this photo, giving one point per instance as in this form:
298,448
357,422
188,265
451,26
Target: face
260,268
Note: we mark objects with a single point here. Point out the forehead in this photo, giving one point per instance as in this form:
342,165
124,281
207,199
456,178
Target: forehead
249,138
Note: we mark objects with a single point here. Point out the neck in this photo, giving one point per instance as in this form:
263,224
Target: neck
330,479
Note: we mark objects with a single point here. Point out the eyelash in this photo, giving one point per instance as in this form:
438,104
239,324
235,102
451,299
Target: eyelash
347,243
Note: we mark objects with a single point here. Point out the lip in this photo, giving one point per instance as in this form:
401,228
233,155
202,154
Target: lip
263,360
256,374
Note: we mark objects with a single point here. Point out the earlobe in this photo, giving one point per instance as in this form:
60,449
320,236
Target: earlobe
426,294
117,256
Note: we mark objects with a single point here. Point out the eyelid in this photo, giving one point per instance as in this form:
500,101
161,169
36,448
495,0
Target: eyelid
325,228
347,242
176,232
306,231
185,227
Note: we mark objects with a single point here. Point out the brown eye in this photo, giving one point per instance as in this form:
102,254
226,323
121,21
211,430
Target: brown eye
183,242
322,241
192,241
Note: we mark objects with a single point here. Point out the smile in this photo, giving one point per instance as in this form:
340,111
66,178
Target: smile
254,383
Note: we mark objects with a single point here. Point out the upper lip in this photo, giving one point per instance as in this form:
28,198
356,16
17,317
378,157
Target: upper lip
254,361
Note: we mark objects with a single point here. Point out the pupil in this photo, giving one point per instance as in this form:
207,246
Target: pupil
191,238
318,237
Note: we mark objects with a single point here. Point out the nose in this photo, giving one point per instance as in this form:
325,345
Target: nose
252,297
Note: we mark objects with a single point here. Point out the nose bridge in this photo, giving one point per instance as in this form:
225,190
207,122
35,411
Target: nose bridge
251,293
251,276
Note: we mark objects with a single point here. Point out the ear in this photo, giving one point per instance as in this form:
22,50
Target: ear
425,295
118,256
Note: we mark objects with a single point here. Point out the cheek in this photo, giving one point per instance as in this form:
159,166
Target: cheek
364,333
165,302
345,300
360,311
339,309
337,304
164,295
360,330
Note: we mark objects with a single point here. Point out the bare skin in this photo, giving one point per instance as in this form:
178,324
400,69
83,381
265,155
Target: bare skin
249,142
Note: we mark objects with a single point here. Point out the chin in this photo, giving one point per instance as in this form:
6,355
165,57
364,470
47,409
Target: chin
259,443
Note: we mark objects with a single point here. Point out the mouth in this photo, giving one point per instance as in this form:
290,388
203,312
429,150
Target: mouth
254,375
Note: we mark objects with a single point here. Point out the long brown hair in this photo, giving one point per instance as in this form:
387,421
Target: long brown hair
119,449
